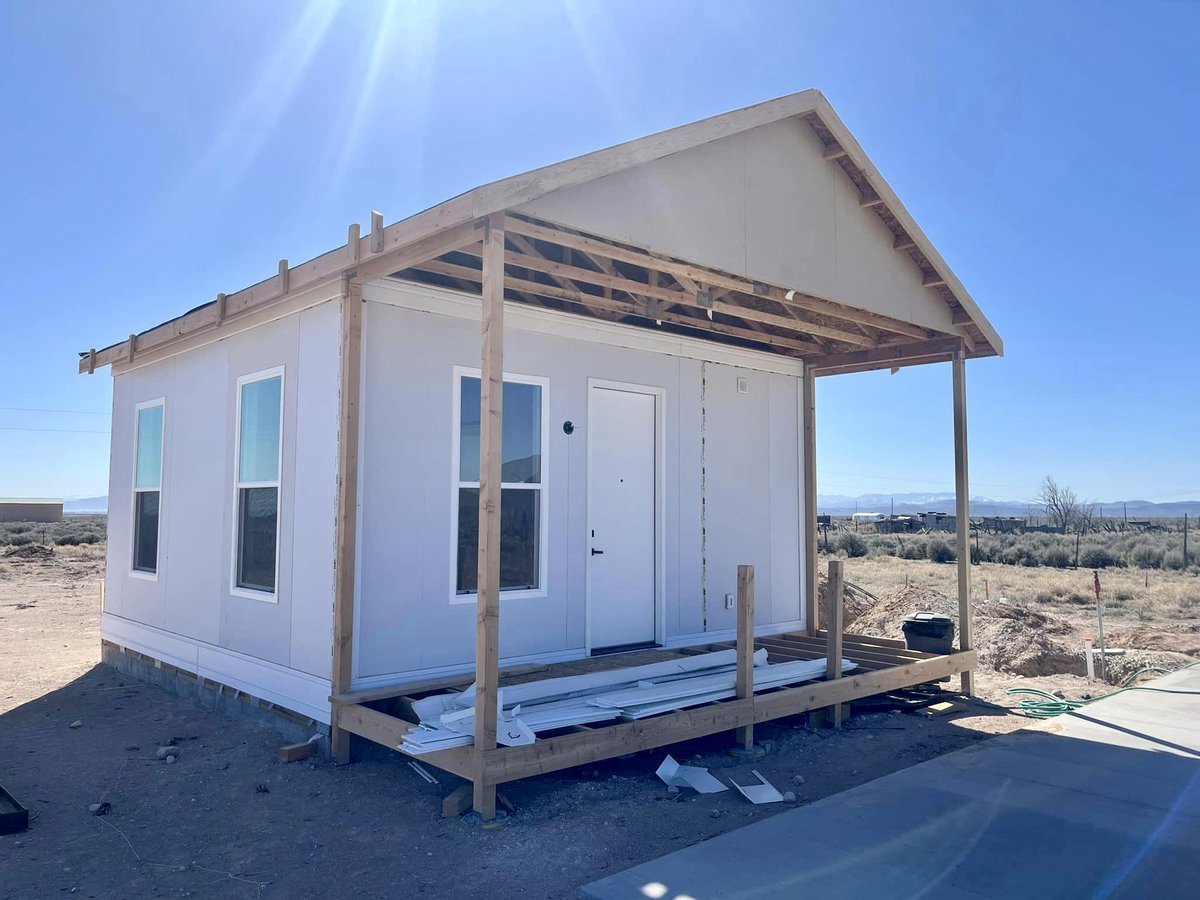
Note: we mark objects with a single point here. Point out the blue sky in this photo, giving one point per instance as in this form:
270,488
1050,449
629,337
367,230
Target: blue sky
156,154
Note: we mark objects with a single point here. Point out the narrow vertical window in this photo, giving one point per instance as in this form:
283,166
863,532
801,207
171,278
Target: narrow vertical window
147,486
522,488
256,541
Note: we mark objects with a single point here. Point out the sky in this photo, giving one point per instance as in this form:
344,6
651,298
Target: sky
155,154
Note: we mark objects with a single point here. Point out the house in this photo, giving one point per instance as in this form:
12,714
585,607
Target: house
312,477
27,509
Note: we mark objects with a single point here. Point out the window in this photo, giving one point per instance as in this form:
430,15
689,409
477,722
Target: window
259,431
522,488
147,485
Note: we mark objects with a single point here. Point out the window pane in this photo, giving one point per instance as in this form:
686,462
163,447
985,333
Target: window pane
149,447
259,453
520,532
258,518
145,531
522,441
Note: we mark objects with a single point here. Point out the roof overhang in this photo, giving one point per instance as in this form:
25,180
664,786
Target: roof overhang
550,265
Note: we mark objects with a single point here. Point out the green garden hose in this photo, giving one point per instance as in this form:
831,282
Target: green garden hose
1047,706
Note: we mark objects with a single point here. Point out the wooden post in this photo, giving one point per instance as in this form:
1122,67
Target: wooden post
347,511
962,498
834,588
808,415
745,646
1185,547
491,422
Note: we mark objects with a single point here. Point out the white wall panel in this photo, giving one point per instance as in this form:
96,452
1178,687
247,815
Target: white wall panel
407,623
763,204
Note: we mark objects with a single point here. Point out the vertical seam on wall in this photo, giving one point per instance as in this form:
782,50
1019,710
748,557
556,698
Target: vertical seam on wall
703,498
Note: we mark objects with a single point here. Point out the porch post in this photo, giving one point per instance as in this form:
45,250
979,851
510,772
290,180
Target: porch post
808,416
347,512
491,419
962,497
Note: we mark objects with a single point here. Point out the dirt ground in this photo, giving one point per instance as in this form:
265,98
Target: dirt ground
227,820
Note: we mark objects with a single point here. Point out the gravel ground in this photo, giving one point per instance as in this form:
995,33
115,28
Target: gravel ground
227,820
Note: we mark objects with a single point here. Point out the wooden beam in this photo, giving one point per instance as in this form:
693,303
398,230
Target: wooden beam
635,307
283,276
745,647
491,418
296,752
460,237
347,512
884,357
353,240
933,280
551,754
833,624
221,310
834,151
962,506
808,453
716,278
961,317
903,242
376,231
389,732
559,271
869,201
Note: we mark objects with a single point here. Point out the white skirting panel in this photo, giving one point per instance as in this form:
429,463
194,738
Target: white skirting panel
297,691
730,634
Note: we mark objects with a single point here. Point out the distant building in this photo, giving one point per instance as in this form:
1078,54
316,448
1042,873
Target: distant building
18,509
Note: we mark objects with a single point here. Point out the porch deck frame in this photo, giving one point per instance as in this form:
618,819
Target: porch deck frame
893,668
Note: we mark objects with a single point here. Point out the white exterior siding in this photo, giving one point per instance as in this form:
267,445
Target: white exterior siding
190,600
763,204
407,624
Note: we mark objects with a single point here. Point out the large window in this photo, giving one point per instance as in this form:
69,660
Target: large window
256,538
523,486
147,485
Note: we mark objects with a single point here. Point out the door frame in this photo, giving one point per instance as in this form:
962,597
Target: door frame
659,394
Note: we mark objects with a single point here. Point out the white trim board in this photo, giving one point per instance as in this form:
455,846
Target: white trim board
730,634
457,304
298,691
400,679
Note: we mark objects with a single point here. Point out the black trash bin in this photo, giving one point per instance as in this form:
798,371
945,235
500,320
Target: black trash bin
929,632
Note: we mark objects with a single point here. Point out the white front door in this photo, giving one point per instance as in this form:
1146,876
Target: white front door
622,493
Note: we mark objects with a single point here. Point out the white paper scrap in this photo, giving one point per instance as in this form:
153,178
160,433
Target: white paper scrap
695,777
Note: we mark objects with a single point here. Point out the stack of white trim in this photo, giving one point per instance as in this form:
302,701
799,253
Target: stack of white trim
448,720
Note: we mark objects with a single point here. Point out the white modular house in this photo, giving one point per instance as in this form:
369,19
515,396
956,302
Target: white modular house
295,492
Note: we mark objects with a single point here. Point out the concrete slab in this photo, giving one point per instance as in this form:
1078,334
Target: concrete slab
1101,803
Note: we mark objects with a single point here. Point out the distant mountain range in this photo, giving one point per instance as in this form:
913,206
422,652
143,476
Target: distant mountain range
842,505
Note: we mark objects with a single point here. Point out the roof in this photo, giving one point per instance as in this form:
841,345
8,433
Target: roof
30,501
360,252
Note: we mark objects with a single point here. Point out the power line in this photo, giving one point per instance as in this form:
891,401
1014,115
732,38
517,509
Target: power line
58,430
78,412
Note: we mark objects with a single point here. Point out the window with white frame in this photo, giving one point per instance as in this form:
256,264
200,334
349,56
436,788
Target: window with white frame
523,485
147,485
259,442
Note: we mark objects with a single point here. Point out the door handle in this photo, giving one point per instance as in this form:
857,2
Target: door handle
596,552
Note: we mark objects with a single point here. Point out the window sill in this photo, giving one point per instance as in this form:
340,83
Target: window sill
142,575
473,599
261,596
